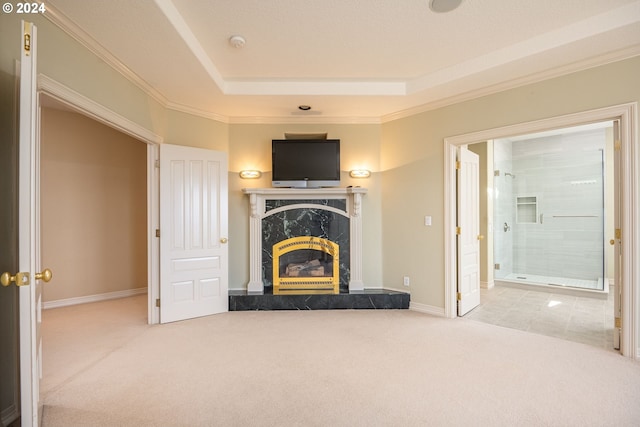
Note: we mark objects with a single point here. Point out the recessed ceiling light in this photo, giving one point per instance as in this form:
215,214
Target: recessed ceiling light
304,107
442,6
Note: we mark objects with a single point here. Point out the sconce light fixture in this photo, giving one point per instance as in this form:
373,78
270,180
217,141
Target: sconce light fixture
250,174
360,173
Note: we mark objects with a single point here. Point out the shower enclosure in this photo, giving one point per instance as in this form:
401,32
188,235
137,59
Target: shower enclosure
549,209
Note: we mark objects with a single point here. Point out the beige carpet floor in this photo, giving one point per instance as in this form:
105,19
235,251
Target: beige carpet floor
103,366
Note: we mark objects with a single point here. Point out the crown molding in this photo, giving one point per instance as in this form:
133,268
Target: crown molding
608,58
196,112
61,21
272,120
306,120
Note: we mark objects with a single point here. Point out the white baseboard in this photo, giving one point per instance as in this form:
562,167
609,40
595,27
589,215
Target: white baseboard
9,415
428,309
487,285
93,298
387,288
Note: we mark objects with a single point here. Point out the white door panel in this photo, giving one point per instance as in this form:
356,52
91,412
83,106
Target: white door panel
193,224
29,232
617,224
468,236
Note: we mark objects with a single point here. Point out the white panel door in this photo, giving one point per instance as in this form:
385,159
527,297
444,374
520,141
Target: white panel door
469,231
617,240
29,232
193,229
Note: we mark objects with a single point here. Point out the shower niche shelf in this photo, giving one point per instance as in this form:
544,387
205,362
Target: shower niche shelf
527,209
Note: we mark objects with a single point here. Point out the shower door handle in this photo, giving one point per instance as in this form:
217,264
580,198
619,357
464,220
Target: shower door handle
541,215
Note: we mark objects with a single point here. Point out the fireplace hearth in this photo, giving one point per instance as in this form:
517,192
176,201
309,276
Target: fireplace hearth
370,299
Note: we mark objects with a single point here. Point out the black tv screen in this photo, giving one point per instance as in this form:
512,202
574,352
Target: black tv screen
305,163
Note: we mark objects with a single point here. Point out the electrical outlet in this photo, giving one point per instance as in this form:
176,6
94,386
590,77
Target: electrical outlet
406,281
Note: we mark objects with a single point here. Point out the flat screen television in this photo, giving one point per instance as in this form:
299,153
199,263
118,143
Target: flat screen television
305,163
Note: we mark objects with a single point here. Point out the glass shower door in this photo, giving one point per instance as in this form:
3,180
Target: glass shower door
559,229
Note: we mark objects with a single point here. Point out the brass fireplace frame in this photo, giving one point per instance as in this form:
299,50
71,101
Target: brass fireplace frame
306,285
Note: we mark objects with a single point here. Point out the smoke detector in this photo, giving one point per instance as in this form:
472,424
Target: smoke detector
237,41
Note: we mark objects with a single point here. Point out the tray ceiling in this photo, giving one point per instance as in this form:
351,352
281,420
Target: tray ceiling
349,60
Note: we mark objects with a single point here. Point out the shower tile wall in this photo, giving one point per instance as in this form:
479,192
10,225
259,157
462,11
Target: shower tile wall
564,173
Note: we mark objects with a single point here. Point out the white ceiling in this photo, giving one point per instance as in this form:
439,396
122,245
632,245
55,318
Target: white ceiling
352,61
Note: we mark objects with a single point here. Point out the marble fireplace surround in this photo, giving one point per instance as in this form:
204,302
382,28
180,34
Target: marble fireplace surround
269,205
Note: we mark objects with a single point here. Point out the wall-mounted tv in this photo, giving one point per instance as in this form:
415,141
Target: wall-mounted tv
305,163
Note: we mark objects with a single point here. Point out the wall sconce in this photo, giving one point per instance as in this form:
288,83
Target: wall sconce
250,174
359,173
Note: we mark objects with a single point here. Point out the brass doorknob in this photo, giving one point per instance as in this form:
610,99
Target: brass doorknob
612,242
20,279
45,276
224,240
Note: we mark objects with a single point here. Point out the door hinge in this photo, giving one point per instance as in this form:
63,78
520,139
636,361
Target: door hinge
458,231
618,323
458,164
156,163
618,233
617,145
459,296
157,232
27,38
157,302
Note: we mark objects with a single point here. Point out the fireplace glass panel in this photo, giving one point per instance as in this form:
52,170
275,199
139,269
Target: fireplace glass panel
306,263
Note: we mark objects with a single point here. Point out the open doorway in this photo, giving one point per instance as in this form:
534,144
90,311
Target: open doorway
546,211
625,209
93,209
93,204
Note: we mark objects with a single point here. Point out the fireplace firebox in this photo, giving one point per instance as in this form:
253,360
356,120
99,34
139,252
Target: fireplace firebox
306,264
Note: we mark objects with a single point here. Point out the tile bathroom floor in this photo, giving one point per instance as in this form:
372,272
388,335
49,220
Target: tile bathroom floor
574,318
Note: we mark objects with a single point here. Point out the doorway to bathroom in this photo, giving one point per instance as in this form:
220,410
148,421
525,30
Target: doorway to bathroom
548,203
552,194
621,236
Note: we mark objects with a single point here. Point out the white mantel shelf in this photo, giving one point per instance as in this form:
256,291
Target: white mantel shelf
257,198
274,191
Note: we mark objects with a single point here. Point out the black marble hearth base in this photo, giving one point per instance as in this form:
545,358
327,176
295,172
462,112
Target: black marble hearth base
368,299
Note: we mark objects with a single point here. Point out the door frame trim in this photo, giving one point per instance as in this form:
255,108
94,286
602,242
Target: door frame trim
81,104
627,114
